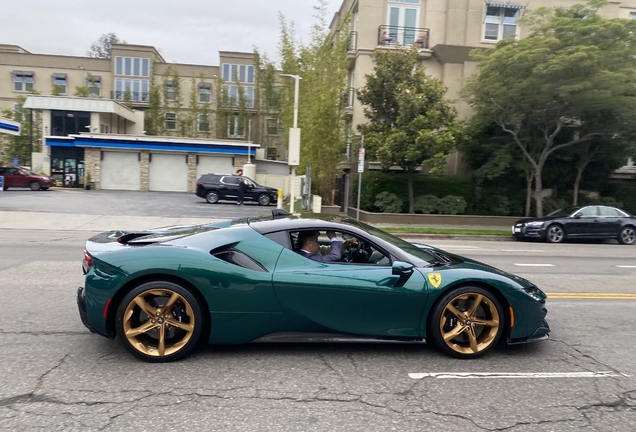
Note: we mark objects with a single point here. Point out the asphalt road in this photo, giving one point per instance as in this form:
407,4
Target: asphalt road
58,376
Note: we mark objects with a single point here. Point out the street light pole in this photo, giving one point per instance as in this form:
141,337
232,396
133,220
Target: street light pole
294,140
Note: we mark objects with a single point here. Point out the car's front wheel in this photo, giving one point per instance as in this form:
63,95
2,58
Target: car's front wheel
159,322
34,185
466,322
555,234
264,199
627,235
212,197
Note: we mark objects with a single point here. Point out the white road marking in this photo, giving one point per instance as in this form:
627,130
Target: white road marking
497,375
534,265
626,266
521,250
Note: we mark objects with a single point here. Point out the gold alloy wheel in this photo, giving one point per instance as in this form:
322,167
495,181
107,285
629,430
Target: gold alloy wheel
158,322
469,323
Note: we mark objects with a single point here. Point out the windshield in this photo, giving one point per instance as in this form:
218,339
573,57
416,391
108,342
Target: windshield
415,255
564,212
26,171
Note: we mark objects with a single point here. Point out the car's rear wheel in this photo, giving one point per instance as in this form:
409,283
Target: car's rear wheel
627,235
212,197
264,199
159,322
34,185
555,234
467,322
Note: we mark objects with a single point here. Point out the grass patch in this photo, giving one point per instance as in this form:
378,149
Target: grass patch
414,230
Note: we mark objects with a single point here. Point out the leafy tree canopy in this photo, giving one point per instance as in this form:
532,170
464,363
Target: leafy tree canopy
410,121
102,47
573,79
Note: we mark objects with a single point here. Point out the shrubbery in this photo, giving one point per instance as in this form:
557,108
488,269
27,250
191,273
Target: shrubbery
388,202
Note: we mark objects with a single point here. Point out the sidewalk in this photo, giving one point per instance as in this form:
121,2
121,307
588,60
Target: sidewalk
22,220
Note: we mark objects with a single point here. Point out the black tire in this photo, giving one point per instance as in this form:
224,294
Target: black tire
45,188
35,186
475,331
627,236
264,199
212,196
555,234
142,330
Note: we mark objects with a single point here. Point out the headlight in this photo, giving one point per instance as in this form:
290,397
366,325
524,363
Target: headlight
535,293
534,224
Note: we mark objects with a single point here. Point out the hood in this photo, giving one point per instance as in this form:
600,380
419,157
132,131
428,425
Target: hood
536,219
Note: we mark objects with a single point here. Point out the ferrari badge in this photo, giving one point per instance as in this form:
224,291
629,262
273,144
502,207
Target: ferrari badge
435,279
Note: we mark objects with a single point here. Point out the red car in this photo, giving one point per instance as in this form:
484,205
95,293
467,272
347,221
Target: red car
20,177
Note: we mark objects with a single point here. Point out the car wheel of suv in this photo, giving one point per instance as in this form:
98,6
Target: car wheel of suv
555,234
34,186
627,236
212,197
264,199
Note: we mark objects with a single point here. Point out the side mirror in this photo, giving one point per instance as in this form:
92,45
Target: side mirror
577,216
402,269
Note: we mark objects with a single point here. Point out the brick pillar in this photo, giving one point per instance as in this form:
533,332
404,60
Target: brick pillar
93,166
192,172
144,171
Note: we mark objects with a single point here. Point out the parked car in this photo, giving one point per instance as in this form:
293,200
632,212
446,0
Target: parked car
216,187
23,178
162,291
589,222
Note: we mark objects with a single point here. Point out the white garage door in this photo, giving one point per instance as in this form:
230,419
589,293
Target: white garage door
215,164
120,171
168,172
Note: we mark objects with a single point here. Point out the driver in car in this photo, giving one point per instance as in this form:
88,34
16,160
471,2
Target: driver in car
309,246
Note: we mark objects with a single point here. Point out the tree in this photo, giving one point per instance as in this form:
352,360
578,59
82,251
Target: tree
21,146
322,65
572,80
410,121
102,47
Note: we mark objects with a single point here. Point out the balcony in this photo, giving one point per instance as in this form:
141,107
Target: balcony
403,36
348,98
141,97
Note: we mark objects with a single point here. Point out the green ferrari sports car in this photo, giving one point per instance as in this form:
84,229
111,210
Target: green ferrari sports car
162,291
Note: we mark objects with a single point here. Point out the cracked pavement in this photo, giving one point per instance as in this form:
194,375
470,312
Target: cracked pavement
56,375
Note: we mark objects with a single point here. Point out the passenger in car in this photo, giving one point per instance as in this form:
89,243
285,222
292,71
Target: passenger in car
309,246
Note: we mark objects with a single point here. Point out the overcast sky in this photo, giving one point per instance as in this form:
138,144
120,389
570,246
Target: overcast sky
184,31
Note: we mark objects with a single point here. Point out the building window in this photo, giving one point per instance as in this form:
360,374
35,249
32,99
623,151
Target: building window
632,15
241,73
231,95
59,82
170,90
23,81
132,66
94,84
272,153
236,127
500,22
204,123
171,121
205,92
138,89
272,126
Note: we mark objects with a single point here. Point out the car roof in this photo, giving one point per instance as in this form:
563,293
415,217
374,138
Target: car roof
268,224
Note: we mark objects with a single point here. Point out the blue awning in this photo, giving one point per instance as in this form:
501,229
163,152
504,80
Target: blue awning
505,4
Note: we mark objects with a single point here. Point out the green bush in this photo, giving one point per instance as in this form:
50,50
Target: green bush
388,202
427,204
497,205
452,205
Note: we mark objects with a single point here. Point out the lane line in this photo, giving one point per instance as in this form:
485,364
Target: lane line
620,266
591,295
522,375
533,265
520,250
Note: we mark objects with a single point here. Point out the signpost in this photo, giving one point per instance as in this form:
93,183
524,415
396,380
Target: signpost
1,183
360,171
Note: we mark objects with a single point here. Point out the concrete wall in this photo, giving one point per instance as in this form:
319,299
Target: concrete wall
503,222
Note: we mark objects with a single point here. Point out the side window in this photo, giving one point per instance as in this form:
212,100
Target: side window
230,180
238,258
354,250
588,211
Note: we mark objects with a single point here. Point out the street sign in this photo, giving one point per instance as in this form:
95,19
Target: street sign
361,160
9,126
1,183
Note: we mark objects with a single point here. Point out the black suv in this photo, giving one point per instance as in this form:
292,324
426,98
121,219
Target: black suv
215,187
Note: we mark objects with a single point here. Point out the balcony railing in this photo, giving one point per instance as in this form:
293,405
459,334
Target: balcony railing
353,41
134,96
348,97
403,36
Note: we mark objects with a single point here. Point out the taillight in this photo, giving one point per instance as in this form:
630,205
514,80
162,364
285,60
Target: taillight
199,184
88,258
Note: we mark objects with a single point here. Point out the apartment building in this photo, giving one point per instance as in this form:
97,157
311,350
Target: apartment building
133,114
445,32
